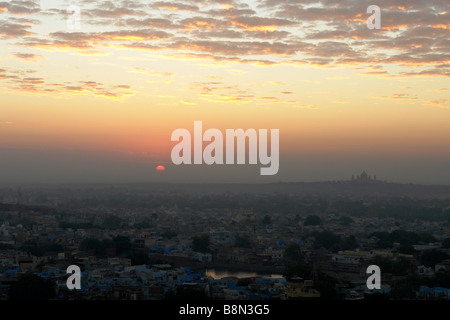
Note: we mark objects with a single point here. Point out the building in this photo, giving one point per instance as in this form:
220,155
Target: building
425,271
442,266
364,177
298,288
351,261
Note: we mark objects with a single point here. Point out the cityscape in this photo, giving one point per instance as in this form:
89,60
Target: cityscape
224,157
309,241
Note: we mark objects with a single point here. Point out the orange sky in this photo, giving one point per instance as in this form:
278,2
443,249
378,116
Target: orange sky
130,75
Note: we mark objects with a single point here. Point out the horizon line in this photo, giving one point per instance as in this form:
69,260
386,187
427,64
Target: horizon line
371,182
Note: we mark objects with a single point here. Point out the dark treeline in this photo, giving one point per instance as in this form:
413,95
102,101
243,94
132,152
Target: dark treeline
401,208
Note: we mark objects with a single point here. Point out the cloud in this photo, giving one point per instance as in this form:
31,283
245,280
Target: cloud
239,47
440,71
28,56
174,6
122,86
20,81
322,33
7,75
440,103
10,30
306,106
190,103
114,12
202,23
399,96
19,7
260,24
219,92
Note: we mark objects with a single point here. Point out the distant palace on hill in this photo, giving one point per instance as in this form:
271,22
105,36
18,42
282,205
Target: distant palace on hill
364,177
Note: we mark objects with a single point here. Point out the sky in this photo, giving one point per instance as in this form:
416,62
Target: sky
96,99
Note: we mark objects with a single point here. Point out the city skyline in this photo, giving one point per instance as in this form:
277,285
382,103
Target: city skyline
98,101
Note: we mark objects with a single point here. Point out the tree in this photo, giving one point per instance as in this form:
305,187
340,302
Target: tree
142,225
122,245
243,282
430,257
98,246
398,267
31,287
326,239
326,285
442,279
243,242
112,222
91,244
5,246
406,249
168,234
293,253
139,259
312,220
200,243
345,221
333,242
404,289
406,238
297,270
40,249
348,243
446,243
266,220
